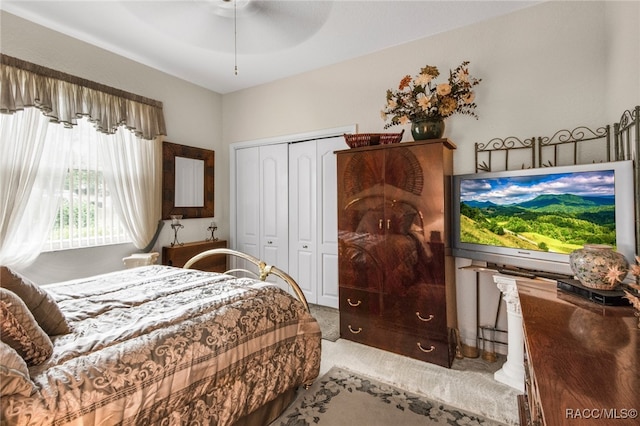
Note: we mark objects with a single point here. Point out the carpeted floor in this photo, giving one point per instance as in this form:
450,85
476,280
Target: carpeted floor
329,320
344,397
468,385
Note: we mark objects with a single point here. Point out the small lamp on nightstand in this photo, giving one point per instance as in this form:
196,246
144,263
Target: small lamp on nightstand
175,225
212,228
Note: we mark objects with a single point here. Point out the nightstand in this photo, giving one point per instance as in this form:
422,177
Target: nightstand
178,255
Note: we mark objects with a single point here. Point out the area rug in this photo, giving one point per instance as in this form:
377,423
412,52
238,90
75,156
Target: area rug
329,320
343,397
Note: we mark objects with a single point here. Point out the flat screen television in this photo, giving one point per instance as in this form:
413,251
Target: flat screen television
533,218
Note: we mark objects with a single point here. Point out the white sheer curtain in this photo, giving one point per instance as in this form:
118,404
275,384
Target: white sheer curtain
31,175
133,173
32,171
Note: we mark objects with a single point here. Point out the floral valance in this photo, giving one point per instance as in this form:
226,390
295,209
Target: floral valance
65,98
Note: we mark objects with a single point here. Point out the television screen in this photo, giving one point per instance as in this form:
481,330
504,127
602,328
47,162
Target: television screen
534,218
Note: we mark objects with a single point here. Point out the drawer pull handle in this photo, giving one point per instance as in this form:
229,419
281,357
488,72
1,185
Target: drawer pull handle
431,348
355,331
353,304
421,318
380,224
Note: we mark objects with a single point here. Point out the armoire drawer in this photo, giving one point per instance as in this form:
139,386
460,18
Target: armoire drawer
423,313
374,332
429,349
359,301
360,328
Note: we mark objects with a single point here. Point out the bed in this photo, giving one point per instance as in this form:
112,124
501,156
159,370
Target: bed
166,346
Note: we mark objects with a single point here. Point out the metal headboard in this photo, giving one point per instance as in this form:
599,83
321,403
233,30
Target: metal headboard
627,147
564,148
263,269
497,149
627,137
550,148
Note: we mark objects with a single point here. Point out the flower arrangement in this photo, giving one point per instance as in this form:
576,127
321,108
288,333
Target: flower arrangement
421,98
632,292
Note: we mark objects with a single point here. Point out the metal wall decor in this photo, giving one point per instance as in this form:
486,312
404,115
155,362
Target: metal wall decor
564,147
627,147
500,148
549,148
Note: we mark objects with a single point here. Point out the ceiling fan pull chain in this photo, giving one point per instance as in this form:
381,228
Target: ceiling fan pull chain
235,36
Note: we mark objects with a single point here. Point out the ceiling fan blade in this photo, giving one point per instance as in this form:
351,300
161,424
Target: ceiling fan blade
262,26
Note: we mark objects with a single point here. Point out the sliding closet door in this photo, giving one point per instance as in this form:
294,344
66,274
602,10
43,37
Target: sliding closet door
328,221
313,230
274,212
262,204
247,201
303,217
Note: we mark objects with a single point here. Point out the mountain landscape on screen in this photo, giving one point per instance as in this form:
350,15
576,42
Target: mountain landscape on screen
556,214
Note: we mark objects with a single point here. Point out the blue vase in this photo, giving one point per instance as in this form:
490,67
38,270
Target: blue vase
429,128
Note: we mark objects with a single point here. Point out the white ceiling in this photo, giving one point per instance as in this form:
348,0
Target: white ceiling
194,40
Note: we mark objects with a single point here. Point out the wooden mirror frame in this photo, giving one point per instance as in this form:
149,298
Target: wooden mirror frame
169,153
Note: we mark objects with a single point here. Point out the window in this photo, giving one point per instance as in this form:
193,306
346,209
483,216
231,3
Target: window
86,216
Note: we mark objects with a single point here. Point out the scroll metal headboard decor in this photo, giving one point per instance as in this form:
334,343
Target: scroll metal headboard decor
487,153
627,147
550,148
627,136
566,145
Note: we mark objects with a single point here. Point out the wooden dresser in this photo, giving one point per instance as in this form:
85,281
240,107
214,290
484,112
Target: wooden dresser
396,275
178,255
581,360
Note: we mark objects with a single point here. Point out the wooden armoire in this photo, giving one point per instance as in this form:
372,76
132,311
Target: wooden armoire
396,273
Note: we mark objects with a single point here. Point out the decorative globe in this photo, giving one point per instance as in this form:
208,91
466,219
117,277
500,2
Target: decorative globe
593,263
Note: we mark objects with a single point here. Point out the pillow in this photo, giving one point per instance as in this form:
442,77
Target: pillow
40,303
20,330
14,375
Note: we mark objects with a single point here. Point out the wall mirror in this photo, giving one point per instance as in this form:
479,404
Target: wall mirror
187,181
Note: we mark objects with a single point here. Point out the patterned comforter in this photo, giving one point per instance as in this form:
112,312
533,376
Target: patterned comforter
167,346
